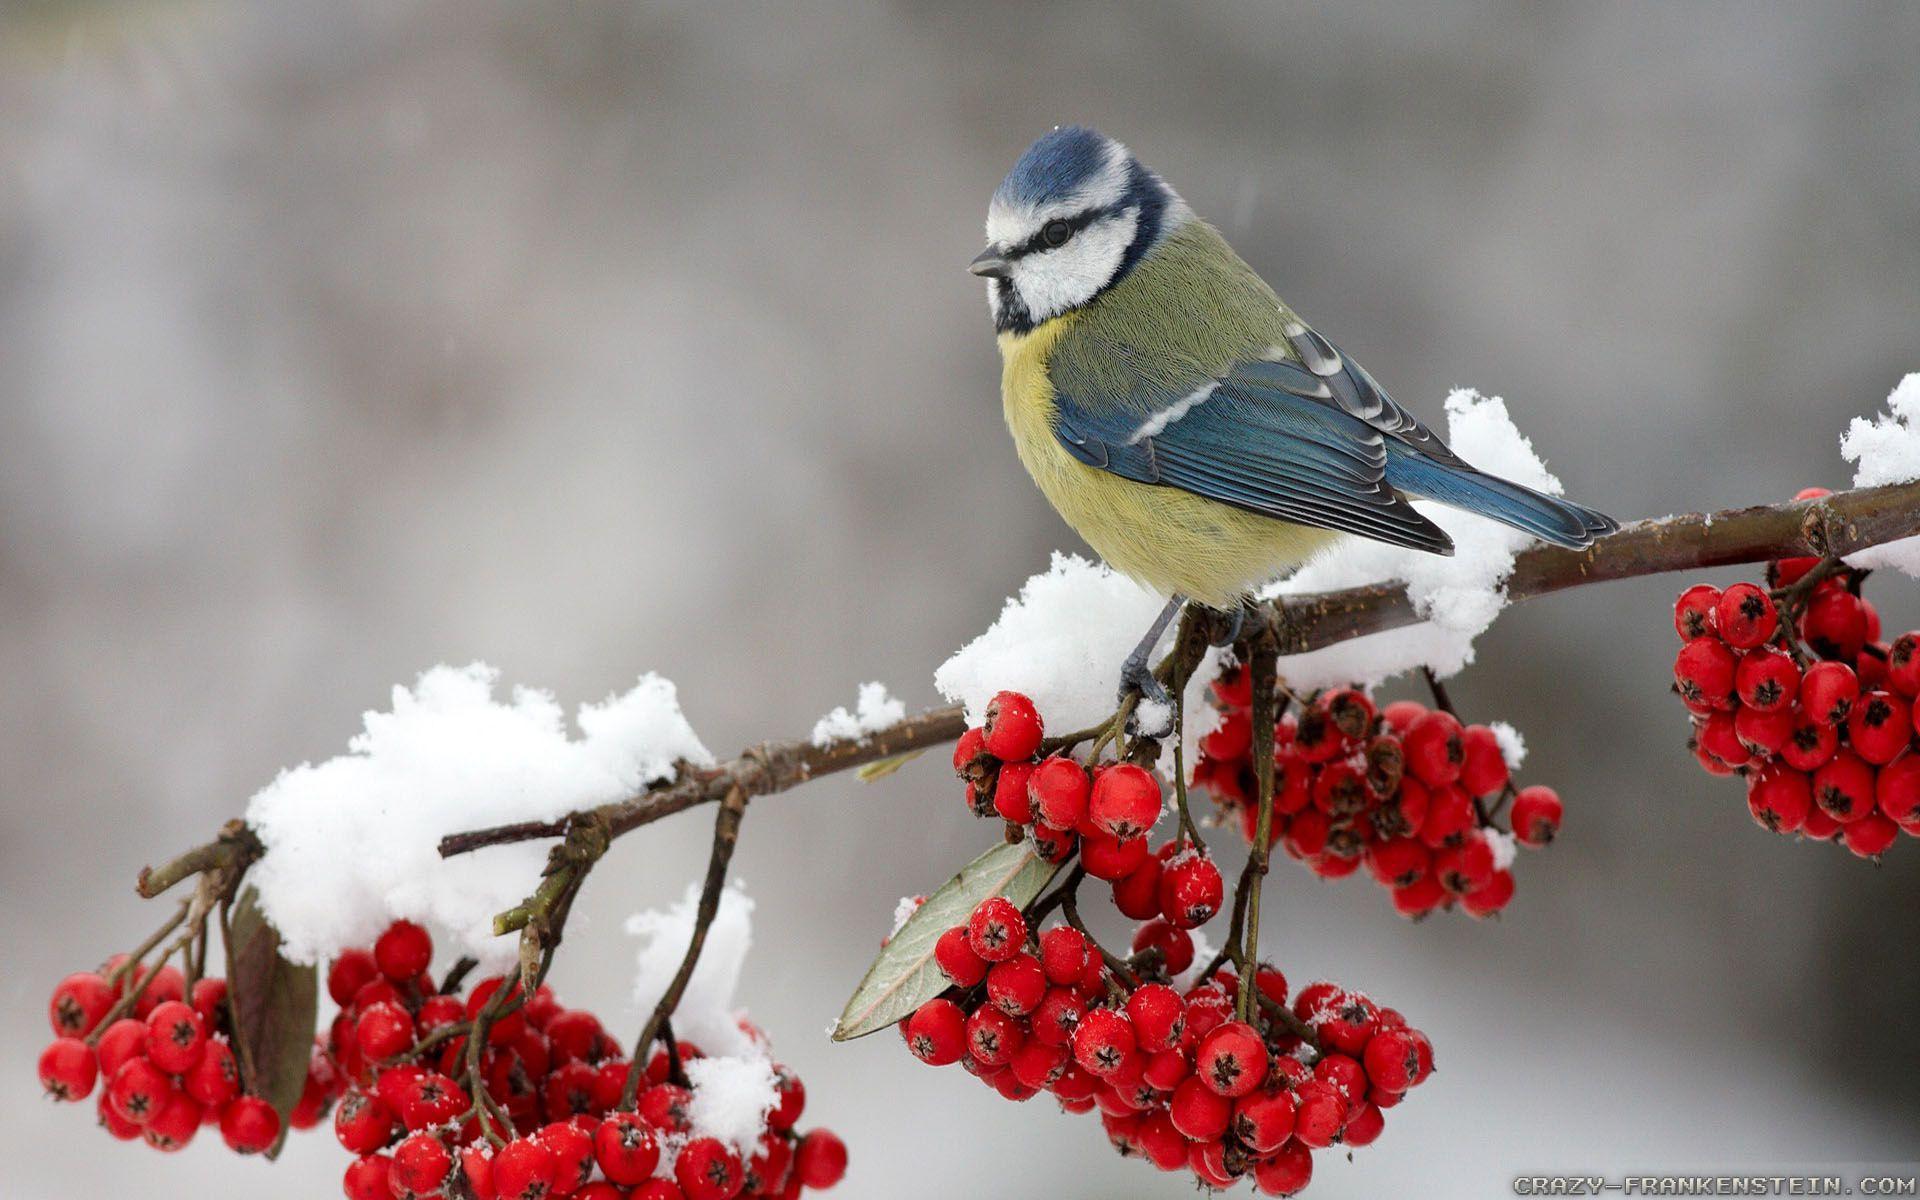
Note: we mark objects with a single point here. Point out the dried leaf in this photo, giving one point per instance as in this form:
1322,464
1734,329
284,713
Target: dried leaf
905,976
274,1007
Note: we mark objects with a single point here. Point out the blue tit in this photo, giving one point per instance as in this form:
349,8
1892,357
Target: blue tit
1199,435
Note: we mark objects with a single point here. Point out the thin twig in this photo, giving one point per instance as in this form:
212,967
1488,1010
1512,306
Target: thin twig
1263,666
726,832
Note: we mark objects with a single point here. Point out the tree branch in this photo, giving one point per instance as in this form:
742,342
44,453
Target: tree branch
1839,524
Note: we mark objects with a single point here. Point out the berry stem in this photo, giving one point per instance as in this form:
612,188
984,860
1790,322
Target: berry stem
1188,648
1070,909
1264,665
726,833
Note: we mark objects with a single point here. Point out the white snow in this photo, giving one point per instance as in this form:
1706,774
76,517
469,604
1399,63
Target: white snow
705,1015
1502,846
1513,747
351,842
1460,596
1061,642
1886,450
731,1098
873,711
903,912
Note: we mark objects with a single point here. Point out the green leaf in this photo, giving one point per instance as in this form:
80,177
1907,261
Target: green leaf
274,1005
905,976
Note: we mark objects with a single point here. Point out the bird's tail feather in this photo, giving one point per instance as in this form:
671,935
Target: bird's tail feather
1548,517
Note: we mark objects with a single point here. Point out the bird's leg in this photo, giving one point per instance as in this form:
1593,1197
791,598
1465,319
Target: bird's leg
1136,671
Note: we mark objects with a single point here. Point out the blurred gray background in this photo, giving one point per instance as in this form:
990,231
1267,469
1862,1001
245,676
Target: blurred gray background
339,340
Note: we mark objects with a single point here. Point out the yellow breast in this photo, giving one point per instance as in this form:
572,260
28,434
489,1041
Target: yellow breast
1168,539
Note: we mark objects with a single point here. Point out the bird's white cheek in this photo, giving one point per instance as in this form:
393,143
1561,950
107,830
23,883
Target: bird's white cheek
1054,281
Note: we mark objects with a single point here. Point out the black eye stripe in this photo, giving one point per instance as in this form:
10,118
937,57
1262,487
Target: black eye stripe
1074,224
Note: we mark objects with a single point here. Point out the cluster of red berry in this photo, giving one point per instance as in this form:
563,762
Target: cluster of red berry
160,1052
402,1048
1104,814
1790,686
396,1060
1177,1079
1408,792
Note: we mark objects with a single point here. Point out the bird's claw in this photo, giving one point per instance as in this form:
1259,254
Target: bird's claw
1153,714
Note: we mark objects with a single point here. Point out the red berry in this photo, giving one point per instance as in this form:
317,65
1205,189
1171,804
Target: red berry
1208,1008
1704,671
664,1106
1053,845
1843,788
1232,1060
1011,798
1063,954
572,1150
1038,1063
820,1160
1835,624
1435,748
1767,679
1779,797
972,744
1137,894
937,1033
1828,690
350,972
1418,898
1104,1043
1175,945
793,1100
523,1169
1903,665
175,1124
120,1041
1466,867
78,1003
362,1123
421,1164
1263,1119
1013,729
1536,815
209,998
954,954
1287,1172
138,1091
403,951
215,1078
163,984
1060,788
1110,858
1158,1015
1763,733
1231,739
1398,861
367,1178
1057,1016
68,1069
1392,1059
1448,819
1870,836
1719,741
996,931
1810,745
1693,612
383,1031
575,1035
1320,1115
993,1036
1819,826
1364,1123
1745,616
708,1169
1485,770
249,1125
1490,897
176,1037
1896,789
1016,986
1190,890
1879,726
1125,802
1198,1112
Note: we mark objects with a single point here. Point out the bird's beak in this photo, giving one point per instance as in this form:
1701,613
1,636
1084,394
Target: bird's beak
990,264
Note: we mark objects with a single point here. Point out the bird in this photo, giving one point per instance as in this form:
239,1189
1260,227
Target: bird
1194,430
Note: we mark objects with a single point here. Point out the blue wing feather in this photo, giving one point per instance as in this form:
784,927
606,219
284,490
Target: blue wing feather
1312,440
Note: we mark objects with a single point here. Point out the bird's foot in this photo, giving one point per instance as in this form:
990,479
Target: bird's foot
1153,707
1236,624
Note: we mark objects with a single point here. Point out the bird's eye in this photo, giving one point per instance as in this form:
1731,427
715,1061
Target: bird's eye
1056,233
